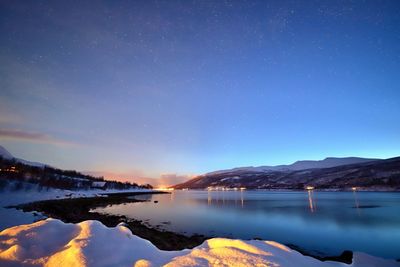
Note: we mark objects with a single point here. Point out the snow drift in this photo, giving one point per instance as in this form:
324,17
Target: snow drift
54,243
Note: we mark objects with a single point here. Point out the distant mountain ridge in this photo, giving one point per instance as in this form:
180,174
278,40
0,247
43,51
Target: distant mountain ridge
301,165
330,173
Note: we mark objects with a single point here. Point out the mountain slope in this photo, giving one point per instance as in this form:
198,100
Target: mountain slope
17,174
327,163
7,155
301,165
368,174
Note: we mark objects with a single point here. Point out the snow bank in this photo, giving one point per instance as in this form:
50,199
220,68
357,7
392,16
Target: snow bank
54,243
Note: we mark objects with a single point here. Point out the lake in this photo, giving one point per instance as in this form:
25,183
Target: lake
324,223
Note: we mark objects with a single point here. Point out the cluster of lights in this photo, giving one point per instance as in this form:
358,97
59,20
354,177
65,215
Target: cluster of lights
218,188
165,189
11,169
309,188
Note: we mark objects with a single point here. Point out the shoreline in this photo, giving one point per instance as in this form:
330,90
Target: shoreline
76,210
297,190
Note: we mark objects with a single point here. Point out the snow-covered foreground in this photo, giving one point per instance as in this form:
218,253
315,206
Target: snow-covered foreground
54,243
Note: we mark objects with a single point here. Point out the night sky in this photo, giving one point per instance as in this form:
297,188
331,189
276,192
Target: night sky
186,87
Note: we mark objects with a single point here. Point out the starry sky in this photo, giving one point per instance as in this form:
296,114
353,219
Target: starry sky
177,88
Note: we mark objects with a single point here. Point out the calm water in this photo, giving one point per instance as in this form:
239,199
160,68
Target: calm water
322,222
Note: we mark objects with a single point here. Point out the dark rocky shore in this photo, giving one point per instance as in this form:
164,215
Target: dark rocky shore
75,210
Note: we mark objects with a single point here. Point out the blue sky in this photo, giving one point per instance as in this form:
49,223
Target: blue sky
187,87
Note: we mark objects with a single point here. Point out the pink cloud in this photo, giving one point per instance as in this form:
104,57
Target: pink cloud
15,134
136,176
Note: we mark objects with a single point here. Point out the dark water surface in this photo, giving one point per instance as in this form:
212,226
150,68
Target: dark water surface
325,223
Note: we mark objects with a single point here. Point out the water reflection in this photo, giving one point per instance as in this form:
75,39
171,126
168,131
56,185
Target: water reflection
220,197
311,202
326,221
356,201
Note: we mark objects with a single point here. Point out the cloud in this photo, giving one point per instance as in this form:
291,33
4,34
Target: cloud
35,137
9,118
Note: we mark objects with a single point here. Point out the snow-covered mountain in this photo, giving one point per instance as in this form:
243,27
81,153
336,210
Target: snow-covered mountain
300,165
7,155
327,163
330,173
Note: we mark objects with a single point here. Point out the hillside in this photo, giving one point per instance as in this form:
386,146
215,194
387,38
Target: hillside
367,174
301,165
15,172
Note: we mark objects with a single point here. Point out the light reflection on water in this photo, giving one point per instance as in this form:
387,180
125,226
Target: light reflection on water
217,199
311,200
322,222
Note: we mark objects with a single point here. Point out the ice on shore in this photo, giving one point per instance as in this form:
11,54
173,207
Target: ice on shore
54,243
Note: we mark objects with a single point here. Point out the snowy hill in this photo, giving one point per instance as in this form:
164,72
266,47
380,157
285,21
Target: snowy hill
7,155
18,170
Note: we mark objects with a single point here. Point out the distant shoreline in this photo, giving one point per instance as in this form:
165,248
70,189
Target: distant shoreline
296,190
